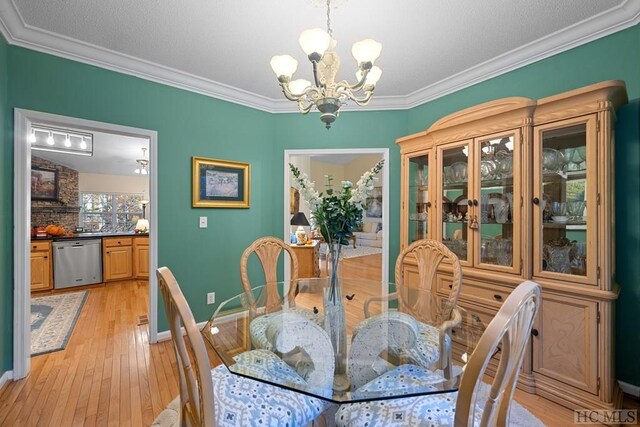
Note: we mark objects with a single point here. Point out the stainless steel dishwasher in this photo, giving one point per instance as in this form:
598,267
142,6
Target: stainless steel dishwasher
77,262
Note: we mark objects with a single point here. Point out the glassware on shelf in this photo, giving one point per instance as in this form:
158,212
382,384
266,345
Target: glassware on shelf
556,256
559,212
501,211
552,160
484,208
504,251
487,169
458,247
578,262
576,210
457,172
504,164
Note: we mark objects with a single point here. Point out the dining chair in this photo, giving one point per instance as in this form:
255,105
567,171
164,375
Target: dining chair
508,334
268,250
434,326
212,397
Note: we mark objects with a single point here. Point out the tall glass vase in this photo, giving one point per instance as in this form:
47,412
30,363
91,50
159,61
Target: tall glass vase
334,318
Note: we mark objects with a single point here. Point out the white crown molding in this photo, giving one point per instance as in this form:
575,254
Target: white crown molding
18,33
608,22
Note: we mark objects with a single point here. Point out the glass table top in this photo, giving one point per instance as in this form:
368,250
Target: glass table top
369,341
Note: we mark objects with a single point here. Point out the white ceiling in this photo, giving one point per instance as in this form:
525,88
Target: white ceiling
222,48
112,155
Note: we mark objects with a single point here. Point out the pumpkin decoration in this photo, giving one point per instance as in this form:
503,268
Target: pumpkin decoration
55,230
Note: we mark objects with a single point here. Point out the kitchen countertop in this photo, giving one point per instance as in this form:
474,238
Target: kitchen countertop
97,235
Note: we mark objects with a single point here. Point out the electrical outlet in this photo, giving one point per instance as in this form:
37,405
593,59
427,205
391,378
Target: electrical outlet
211,298
203,222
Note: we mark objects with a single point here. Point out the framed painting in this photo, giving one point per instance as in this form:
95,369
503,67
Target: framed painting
220,183
44,184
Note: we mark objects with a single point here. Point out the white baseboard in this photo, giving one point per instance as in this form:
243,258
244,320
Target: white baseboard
5,378
630,389
166,335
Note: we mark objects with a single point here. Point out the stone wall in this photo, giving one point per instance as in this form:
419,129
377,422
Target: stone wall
66,210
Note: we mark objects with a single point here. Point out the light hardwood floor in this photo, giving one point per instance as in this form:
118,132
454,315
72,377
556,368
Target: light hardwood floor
110,375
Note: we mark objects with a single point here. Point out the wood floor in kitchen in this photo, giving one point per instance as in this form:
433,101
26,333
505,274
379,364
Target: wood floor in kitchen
110,375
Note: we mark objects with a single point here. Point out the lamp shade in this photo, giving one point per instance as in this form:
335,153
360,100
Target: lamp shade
299,219
366,50
297,87
316,40
372,77
284,65
142,225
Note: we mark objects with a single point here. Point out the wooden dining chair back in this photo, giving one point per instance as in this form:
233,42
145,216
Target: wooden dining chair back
507,334
429,255
196,388
268,250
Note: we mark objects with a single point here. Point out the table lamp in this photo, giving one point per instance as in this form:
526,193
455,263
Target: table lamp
142,226
301,221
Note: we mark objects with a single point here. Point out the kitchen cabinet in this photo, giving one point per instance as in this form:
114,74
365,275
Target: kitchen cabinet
522,189
41,266
141,257
308,259
117,258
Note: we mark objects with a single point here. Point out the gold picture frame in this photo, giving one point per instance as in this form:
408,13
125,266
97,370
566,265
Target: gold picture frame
220,183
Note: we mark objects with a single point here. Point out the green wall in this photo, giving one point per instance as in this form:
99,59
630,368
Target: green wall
189,124
616,57
6,218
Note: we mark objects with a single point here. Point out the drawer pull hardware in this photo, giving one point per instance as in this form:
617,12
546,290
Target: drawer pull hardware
535,332
450,286
536,201
498,297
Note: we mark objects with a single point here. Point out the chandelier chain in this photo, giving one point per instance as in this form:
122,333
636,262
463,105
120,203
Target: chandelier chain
329,30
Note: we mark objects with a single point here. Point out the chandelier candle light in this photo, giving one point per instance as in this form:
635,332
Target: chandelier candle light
338,214
326,94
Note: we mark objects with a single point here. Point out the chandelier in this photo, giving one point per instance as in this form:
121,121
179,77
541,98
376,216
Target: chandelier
143,164
326,94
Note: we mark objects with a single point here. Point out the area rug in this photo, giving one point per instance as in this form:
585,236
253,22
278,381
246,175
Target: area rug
520,417
52,321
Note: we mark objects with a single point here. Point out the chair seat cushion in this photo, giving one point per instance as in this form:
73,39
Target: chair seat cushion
430,410
427,349
239,401
258,326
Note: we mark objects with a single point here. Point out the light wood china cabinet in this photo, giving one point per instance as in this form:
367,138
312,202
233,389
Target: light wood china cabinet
523,189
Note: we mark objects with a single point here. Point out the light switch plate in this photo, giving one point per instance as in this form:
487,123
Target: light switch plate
211,298
203,222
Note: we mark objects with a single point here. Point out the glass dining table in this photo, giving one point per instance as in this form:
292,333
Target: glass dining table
290,341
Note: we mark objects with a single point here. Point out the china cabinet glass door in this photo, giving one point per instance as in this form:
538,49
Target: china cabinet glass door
454,164
497,202
418,206
565,197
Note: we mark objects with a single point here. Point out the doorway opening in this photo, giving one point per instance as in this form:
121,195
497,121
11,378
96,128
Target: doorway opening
69,208
370,247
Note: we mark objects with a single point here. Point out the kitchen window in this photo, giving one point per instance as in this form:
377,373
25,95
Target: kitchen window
107,212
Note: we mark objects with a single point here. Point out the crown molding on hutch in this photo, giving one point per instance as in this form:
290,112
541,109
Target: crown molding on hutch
18,33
